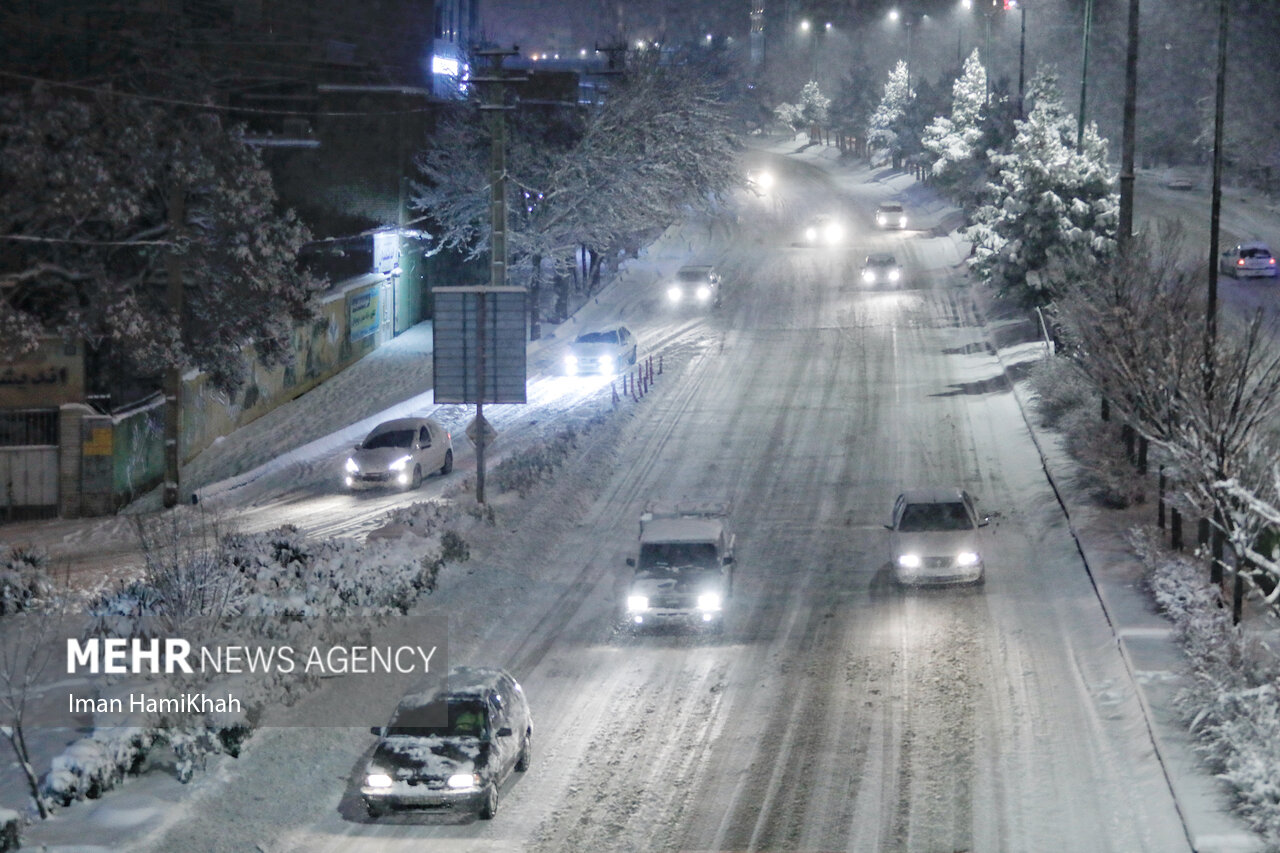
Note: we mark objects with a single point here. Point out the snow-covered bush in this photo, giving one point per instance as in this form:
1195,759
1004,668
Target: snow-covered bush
23,578
10,825
1065,402
1233,705
96,764
522,471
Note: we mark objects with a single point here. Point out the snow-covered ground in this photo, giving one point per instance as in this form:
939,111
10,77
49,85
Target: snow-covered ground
835,713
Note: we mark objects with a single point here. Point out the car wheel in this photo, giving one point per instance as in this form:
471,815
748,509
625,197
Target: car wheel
375,810
522,763
490,807
417,477
448,462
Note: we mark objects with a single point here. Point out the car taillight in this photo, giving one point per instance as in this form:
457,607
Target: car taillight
1240,262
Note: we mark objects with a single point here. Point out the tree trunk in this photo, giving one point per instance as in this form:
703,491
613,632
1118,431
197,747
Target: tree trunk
535,299
19,744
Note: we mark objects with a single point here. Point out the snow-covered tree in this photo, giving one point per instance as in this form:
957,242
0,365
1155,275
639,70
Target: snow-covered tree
98,196
1136,331
812,109
1051,209
955,142
660,143
885,131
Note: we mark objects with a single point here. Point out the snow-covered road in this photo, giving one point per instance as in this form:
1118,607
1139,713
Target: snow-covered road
835,712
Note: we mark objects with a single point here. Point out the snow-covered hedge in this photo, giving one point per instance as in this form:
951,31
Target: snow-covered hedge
10,827
23,579
523,471
1233,706
278,586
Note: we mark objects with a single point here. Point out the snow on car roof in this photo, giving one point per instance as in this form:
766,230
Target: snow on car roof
932,495
463,681
399,423
690,529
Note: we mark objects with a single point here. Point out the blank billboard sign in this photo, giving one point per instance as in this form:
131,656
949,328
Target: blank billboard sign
459,333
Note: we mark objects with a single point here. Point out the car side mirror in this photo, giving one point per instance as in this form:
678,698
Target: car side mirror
376,731
631,561
728,560
356,447
985,521
505,731
888,527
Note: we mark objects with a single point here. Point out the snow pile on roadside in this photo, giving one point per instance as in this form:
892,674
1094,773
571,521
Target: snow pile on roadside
1234,706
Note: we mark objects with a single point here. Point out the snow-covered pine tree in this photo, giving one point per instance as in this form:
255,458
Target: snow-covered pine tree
884,131
955,142
1052,209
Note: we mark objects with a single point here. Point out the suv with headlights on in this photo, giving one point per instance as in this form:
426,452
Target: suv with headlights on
684,572
449,747
935,537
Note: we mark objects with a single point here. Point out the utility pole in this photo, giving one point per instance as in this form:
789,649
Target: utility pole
495,104
173,374
1084,75
1128,139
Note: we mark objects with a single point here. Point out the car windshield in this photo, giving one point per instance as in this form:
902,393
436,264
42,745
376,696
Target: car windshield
1254,252
692,275
457,718
934,516
390,438
890,208
880,260
669,559
609,337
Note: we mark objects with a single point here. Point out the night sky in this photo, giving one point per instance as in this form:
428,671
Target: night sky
571,24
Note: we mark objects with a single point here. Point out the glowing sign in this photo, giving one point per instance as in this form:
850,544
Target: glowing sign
444,65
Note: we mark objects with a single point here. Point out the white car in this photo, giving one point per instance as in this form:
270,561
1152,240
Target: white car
891,215
935,537
695,285
822,230
881,268
602,353
1248,260
399,453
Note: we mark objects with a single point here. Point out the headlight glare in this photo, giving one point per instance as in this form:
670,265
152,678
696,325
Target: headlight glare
637,603
966,558
464,780
674,294
351,466
378,780
709,602
399,464
704,293
894,275
868,276
909,561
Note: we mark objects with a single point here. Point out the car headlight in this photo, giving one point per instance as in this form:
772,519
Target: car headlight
351,466
833,233
674,294
909,561
571,364
902,221
810,234
868,276
464,780
894,275
606,363
399,464
709,602
637,603
377,780
703,293
880,219
966,558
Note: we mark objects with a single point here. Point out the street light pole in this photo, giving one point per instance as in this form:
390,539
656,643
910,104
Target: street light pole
1022,56
1128,139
